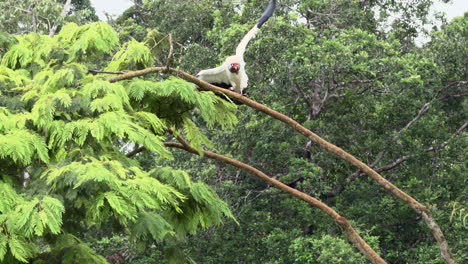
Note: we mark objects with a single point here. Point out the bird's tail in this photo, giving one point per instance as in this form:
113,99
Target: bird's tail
251,34
267,14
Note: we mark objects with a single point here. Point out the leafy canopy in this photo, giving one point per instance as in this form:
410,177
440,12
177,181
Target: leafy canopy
64,135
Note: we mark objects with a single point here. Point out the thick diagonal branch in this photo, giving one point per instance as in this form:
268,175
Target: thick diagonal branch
395,163
418,207
352,235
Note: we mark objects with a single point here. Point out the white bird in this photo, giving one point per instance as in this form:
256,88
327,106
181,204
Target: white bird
231,74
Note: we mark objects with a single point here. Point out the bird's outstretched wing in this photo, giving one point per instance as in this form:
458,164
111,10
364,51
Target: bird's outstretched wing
214,75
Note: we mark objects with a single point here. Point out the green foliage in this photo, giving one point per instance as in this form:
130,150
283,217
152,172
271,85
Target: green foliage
27,51
42,16
341,67
152,225
91,41
133,55
64,136
70,249
6,40
352,73
459,213
22,146
202,206
34,216
161,97
20,249
195,137
326,249
25,219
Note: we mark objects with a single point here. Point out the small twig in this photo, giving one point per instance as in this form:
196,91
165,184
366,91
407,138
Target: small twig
159,42
135,151
171,50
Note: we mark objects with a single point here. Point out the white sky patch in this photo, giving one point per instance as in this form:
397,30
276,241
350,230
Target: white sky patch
454,9
117,7
451,10
112,7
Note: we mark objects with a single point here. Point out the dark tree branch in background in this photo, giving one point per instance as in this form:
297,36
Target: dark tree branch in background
339,189
63,14
460,84
137,5
107,72
33,16
135,151
171,49
414,204
306,98
422,111
433,148
354,82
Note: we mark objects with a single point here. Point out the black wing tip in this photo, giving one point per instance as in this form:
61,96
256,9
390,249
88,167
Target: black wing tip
267,14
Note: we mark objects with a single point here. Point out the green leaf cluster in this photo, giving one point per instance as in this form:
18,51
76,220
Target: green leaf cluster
64,136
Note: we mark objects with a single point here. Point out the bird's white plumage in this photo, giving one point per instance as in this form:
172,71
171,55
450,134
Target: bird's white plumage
221,74
214,75
240,50
237,80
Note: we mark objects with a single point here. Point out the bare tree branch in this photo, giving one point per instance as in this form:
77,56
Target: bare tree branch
137,5
171,49
353,236
135,151
414,204
412,155
354,82
107,72
421,112
304,96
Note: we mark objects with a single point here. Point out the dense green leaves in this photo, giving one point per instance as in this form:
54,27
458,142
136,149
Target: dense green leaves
342,68
351,73
90,41
21,146
133,55
25,219
64,135
202,206
70,249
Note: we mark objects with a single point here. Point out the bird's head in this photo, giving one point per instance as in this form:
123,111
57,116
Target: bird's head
234,67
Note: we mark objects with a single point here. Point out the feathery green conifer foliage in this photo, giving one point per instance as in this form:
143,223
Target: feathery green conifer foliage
64,135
